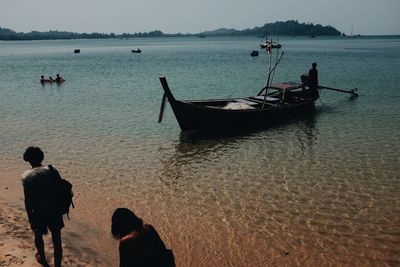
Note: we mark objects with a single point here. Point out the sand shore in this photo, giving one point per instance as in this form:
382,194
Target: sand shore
16,239
292,237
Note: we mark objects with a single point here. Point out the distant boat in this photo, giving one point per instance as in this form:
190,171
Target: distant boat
138,51
273,45
265,43
352,35
77,51
254,53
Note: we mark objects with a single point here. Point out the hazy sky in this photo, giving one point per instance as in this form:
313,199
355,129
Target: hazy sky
369,17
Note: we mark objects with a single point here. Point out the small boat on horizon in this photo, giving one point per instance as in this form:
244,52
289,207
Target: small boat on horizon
272,45
269,44
353,35
137,51
77,51
254,53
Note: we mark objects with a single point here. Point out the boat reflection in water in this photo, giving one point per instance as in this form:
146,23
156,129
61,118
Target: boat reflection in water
208,145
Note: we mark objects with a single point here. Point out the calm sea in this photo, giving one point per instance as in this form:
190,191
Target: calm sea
319,190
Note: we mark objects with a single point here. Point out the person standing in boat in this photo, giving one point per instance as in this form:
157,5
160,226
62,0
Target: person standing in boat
313,80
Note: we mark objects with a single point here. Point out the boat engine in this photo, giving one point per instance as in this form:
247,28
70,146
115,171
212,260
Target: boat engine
304,79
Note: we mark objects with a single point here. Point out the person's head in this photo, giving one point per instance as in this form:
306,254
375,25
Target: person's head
51,78
123,222
314,65
42,77
58,75
34,155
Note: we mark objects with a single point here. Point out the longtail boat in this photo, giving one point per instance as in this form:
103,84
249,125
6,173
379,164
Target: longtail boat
275,102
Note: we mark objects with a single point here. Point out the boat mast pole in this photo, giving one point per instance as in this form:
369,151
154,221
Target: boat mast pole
270,58
269,75
269,69
268,48
276,60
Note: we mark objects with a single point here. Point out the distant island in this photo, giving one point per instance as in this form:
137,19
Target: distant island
279,28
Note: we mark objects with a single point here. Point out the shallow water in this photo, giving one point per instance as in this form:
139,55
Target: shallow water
323,189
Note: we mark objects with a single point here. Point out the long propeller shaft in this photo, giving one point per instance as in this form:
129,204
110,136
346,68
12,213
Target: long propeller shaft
353,92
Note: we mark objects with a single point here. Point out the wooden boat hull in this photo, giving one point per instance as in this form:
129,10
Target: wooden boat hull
206,114
191,116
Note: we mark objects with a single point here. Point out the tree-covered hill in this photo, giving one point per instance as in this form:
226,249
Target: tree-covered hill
282,28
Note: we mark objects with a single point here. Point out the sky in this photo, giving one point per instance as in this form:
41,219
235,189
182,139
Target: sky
366,17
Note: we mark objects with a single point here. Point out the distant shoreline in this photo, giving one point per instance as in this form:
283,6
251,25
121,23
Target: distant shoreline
279,28
216,36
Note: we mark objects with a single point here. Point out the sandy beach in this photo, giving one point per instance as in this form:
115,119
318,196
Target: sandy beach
87,242
16,238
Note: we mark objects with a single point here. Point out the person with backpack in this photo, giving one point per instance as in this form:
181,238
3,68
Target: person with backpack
42,192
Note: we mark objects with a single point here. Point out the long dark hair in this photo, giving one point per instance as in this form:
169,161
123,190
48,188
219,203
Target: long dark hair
123,222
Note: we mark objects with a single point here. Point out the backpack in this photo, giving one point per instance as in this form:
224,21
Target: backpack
62,194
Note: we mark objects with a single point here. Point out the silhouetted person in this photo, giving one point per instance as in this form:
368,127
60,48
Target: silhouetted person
313,80
139,244
59,79
38,184
43,80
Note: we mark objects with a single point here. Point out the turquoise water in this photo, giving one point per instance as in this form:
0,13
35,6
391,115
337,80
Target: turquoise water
323,188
